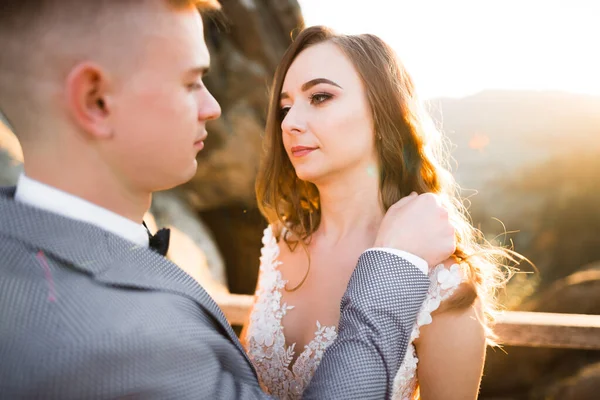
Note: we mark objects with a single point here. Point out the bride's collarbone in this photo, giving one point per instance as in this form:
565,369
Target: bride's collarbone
325,272
317,299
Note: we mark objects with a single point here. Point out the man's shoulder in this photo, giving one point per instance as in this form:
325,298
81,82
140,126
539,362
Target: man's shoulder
13,253
52,299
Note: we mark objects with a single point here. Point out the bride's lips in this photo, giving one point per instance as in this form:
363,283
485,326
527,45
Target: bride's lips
301,151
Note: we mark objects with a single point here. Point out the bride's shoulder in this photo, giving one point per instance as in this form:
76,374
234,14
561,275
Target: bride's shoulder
453,286
452,304
273,239
273,234
280,233
276,229
278,247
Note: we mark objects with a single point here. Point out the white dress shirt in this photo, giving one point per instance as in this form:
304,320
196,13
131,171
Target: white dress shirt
48,198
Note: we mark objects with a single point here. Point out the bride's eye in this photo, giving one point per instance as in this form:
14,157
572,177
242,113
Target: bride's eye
283,112
318,98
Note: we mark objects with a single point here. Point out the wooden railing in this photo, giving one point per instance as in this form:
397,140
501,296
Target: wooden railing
514,328
534,329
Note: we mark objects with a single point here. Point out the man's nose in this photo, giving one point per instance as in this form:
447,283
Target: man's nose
209,108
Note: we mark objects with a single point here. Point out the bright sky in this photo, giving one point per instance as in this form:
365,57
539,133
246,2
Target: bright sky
459,47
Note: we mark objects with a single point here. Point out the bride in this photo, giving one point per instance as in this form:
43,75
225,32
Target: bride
346,138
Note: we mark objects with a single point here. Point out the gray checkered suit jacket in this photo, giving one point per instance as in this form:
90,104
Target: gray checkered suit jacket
85,314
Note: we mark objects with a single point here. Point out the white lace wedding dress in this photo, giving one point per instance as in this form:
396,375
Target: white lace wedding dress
265,341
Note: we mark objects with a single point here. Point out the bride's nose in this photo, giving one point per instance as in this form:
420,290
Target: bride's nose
293,123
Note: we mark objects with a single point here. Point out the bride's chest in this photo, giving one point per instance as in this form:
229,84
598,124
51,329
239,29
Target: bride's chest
317,298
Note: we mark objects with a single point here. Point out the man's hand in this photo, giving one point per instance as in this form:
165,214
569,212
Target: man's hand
418,224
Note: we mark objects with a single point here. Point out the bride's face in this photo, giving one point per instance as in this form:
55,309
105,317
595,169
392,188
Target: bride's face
327,126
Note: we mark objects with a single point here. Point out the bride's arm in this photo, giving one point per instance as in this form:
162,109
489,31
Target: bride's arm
451,351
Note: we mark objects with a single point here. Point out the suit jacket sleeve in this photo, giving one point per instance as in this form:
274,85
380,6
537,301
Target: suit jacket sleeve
378,312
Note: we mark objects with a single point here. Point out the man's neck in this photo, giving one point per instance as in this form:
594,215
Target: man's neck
95,188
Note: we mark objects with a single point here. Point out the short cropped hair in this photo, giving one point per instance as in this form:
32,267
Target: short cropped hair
27,25
14,13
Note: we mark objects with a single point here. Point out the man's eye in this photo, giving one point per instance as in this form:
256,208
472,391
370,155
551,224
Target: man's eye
195,86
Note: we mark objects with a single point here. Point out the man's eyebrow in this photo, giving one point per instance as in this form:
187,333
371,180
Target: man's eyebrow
308,85
199,71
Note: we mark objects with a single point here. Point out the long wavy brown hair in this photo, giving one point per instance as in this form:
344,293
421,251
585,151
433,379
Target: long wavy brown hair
412,156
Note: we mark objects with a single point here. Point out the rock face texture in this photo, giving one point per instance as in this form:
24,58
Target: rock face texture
245,43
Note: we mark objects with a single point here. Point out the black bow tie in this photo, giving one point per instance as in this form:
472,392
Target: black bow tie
159,242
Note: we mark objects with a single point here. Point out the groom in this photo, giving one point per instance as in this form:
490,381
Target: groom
107,101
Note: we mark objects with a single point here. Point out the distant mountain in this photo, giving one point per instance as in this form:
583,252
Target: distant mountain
496,133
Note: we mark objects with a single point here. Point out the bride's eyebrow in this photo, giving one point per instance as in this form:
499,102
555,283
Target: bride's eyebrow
314,82
309,84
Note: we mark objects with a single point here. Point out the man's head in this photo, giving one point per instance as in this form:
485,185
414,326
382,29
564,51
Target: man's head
112,86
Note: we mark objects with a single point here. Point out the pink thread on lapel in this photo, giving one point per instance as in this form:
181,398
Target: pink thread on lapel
51,292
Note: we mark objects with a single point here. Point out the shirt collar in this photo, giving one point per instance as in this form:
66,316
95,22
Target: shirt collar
48,198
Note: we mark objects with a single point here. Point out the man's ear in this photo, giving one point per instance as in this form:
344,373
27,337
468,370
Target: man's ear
88,99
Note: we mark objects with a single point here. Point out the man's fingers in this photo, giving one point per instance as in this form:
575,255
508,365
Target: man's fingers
444,213
405,200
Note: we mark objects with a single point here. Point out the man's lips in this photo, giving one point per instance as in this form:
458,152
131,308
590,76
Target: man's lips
199,143
301,151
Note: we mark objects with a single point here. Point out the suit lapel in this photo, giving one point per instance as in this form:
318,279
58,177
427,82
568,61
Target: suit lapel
106,257
145,269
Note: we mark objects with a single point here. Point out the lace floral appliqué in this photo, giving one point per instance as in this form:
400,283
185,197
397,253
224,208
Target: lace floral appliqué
266,341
